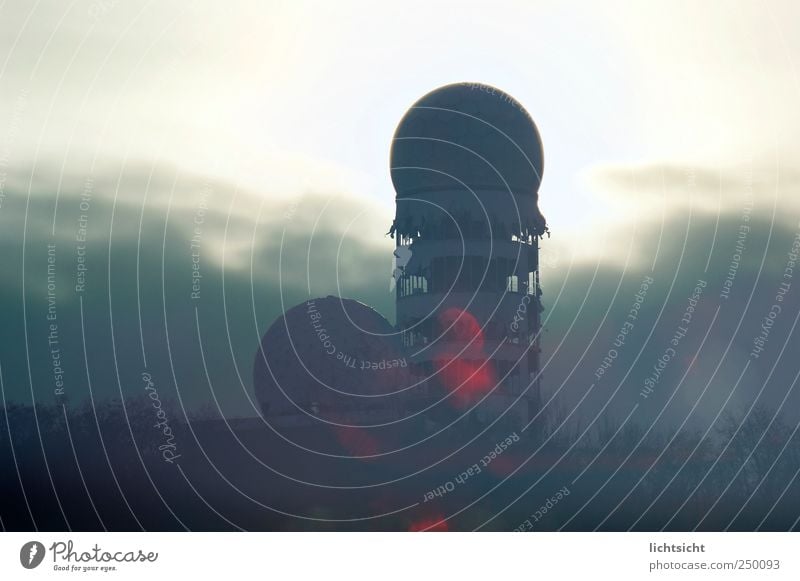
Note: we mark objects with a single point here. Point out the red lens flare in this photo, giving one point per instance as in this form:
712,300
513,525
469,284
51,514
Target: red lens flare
465,371
429,524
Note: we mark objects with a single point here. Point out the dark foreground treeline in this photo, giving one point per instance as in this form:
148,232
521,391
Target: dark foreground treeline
114,467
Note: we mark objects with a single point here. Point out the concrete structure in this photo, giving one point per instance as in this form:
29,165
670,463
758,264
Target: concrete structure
466,164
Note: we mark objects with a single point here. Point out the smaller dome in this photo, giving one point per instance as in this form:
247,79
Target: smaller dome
329,357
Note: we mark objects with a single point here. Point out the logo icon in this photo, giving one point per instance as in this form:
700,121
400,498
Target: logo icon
31,554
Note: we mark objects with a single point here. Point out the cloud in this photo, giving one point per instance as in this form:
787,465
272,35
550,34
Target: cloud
335,243
646,191
195,230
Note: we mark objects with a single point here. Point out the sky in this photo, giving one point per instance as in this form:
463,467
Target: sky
289,96
659,121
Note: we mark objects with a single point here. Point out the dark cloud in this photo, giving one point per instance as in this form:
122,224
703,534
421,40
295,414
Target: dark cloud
336,241
236,304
